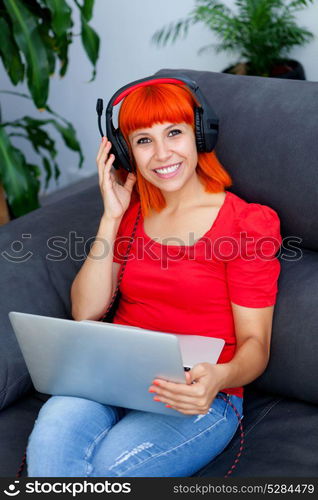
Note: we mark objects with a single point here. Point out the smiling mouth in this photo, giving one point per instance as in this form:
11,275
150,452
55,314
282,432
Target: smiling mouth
167,170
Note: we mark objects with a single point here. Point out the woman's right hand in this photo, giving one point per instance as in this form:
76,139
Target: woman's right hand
116,197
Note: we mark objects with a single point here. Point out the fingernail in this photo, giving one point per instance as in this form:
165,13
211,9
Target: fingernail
168,406
151,390
155,382
156,398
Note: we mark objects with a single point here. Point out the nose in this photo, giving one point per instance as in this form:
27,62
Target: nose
162,151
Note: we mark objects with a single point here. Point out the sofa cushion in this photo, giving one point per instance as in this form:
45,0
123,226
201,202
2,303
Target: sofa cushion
293,369
16,424
280,440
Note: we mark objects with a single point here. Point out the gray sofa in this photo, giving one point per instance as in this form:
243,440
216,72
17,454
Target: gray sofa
268,142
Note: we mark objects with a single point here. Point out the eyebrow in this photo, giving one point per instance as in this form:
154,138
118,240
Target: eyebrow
145,133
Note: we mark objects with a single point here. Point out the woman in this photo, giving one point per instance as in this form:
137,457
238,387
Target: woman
219,279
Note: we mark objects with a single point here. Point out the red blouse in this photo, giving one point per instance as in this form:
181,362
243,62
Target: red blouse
189,289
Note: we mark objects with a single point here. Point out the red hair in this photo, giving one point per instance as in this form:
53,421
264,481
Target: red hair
160,103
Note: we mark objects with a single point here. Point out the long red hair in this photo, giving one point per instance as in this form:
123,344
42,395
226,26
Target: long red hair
160,103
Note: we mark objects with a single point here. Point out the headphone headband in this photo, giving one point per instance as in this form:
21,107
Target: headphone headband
143,83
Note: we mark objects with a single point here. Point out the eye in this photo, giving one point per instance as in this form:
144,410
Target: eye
175,131
143,140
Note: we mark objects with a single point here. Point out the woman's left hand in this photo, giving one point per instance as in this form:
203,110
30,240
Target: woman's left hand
196,396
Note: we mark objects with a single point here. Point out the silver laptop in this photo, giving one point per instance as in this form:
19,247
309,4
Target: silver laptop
106,362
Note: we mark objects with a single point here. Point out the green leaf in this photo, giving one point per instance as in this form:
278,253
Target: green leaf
49,43
69,136
172,32
48,170
61,16
35,170
90,41
87,9
57,171
61,47
68,133
300,3
10,54
28,39
40,138
19,179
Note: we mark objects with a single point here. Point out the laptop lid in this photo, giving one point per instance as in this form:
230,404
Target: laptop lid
194,348
105,362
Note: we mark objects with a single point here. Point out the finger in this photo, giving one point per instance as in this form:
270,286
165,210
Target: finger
184,405
101,147
188,378
103,150
102,163
193,398
194,407
193,410
107,175
161,386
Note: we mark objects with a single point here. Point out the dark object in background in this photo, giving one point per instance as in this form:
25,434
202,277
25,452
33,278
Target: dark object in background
286,68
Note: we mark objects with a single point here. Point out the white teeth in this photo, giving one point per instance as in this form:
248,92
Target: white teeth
167,170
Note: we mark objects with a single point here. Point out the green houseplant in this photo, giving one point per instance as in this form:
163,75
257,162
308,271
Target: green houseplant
34,35
260,32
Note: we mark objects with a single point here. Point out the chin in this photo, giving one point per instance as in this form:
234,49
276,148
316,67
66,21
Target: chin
171,188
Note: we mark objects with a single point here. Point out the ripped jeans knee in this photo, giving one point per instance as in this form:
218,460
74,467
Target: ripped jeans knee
152,445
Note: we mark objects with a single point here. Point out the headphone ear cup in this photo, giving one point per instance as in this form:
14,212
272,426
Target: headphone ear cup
123,145
199,132
124,155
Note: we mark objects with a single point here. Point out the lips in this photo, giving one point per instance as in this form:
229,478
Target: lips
168,170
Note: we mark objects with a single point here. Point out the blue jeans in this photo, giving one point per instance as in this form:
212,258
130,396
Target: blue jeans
75,437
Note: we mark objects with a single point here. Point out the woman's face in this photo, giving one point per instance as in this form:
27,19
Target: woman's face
165,154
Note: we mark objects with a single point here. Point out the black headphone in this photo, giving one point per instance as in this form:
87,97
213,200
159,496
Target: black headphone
205,119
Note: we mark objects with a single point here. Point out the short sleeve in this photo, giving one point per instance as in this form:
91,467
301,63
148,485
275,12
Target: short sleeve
124,234
252,273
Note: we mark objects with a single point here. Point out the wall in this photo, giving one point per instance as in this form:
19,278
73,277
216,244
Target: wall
125,28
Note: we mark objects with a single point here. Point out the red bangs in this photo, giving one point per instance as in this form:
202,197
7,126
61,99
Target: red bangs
158,103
